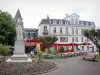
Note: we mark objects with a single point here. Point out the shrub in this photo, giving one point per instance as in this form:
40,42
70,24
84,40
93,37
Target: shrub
49,56
63,56
61,50
54,52
4,51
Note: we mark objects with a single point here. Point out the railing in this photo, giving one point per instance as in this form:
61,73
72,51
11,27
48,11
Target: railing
45,31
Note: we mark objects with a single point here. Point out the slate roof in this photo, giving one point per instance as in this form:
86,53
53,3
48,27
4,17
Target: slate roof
30,29
50,21
47,21
18,15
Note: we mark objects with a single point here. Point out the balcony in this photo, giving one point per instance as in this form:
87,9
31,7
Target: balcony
45,32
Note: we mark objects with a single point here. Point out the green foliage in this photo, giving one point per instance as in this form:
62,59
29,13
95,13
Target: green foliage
94,36
47,40
4,50
62,49
39,52
7,28
63,56
54,52
49,56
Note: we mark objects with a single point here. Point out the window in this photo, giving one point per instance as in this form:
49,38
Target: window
72,39
60,30
83,48
34,34
88,48
54,22
92,23
28,35
76,21
81,23
66,22
63,39
87,40
45,27
54,30
82,39
60,22
72,21
76,39
81,31
72,30
31,34
76,31
66,30
66,39
87,23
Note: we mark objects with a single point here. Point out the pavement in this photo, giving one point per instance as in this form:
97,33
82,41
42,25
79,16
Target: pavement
75,66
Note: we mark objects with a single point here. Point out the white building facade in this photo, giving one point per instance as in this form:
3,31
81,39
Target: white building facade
67,30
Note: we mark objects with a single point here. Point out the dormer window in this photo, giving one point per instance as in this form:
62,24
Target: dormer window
66,22
81,23
87,23
76,21
60,22
45,28
54,22
72,21
92,23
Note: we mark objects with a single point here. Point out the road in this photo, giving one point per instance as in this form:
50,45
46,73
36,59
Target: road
75,66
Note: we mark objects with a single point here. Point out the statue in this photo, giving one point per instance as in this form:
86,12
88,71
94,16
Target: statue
19,32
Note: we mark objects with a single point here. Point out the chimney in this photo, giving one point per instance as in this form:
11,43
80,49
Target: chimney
47,16
66,15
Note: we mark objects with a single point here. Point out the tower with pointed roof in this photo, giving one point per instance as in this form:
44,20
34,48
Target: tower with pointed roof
18,19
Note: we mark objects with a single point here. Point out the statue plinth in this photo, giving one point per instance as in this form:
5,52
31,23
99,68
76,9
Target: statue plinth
19,51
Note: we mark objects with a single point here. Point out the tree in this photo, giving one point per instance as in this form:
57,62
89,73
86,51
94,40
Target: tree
61,50
47,40
39,52
7,28
94,36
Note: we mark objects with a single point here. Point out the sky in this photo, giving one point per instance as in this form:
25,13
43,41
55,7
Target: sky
33,11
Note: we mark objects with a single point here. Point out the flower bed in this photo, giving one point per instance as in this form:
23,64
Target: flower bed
25,68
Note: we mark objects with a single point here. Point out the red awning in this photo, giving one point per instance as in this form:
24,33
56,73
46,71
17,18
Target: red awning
85,43
68,44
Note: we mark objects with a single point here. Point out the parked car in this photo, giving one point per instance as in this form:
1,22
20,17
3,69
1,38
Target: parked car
89,56
11,49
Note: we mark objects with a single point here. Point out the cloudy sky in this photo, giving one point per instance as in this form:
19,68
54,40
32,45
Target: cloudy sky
34,10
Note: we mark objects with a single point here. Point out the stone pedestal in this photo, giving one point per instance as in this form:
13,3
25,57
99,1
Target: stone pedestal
19,53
